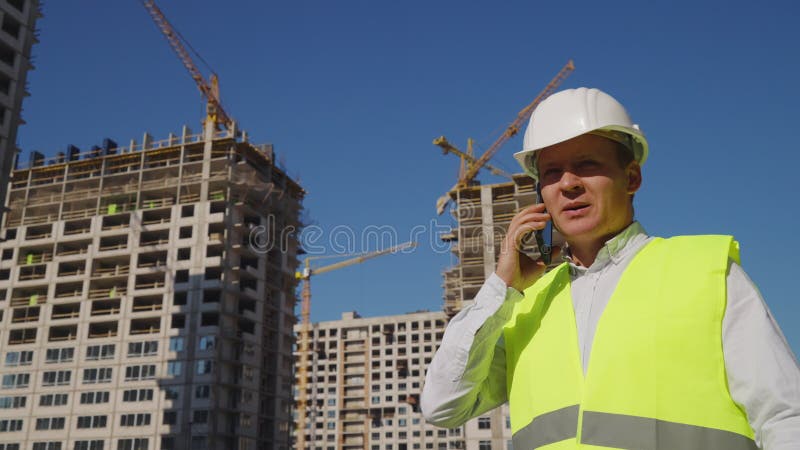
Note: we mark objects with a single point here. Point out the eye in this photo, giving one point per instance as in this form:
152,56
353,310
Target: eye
550,175
587,166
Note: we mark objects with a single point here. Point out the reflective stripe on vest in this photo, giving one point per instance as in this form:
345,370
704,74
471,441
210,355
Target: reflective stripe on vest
641,433
548,428
620,431
656,376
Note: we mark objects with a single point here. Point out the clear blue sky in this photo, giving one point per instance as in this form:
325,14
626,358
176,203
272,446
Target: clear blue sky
352,93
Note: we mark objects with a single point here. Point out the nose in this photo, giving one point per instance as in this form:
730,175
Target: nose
570,182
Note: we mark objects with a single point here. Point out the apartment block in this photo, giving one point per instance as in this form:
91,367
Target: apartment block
147,297
17,36
365,377
490,431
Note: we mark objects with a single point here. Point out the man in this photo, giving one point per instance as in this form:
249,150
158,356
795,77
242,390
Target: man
634,342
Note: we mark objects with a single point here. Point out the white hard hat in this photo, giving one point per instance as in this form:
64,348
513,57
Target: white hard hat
573,112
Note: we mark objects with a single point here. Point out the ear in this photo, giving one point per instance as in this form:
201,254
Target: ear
634,173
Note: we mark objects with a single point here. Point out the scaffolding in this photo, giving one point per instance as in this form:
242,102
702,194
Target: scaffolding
155,240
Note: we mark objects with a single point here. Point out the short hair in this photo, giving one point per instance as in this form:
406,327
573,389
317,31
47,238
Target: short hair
624,155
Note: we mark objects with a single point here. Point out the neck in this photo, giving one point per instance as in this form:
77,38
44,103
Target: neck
584,255
584,252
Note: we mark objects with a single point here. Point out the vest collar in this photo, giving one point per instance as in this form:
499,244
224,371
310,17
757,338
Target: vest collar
615,250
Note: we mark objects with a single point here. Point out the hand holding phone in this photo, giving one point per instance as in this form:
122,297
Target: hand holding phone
544,241
544,238
516,267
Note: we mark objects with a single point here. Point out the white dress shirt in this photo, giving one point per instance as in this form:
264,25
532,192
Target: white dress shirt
467,375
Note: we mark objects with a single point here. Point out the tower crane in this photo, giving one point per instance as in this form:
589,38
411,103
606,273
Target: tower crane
216,116
305,324
510,131
467,158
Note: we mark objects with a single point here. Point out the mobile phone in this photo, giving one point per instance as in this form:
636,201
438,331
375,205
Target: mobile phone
544,238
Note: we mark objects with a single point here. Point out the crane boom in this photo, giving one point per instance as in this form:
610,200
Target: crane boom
362,258
447,147
305,326
509,132
522,116
210,89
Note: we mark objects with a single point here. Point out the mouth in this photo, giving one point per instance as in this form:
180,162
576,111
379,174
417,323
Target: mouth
575,207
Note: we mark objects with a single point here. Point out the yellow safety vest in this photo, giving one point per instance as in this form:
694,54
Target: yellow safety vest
656,375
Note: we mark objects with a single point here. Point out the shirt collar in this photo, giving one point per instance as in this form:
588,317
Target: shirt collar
615,249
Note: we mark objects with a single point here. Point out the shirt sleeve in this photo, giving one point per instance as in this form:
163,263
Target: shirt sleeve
763,374
467,375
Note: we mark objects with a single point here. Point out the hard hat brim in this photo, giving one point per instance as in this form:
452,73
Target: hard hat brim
527,157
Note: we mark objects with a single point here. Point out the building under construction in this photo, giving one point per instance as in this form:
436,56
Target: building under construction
364,375
17,35
147,297
482,215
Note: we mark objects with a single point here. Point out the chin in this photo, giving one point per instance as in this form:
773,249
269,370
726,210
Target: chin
572,229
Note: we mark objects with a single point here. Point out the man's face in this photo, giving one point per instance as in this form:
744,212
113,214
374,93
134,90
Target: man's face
585,189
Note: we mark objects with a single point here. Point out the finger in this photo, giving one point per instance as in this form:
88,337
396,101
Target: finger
532,217
525,214
533,207
514,237
525,229
536,207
